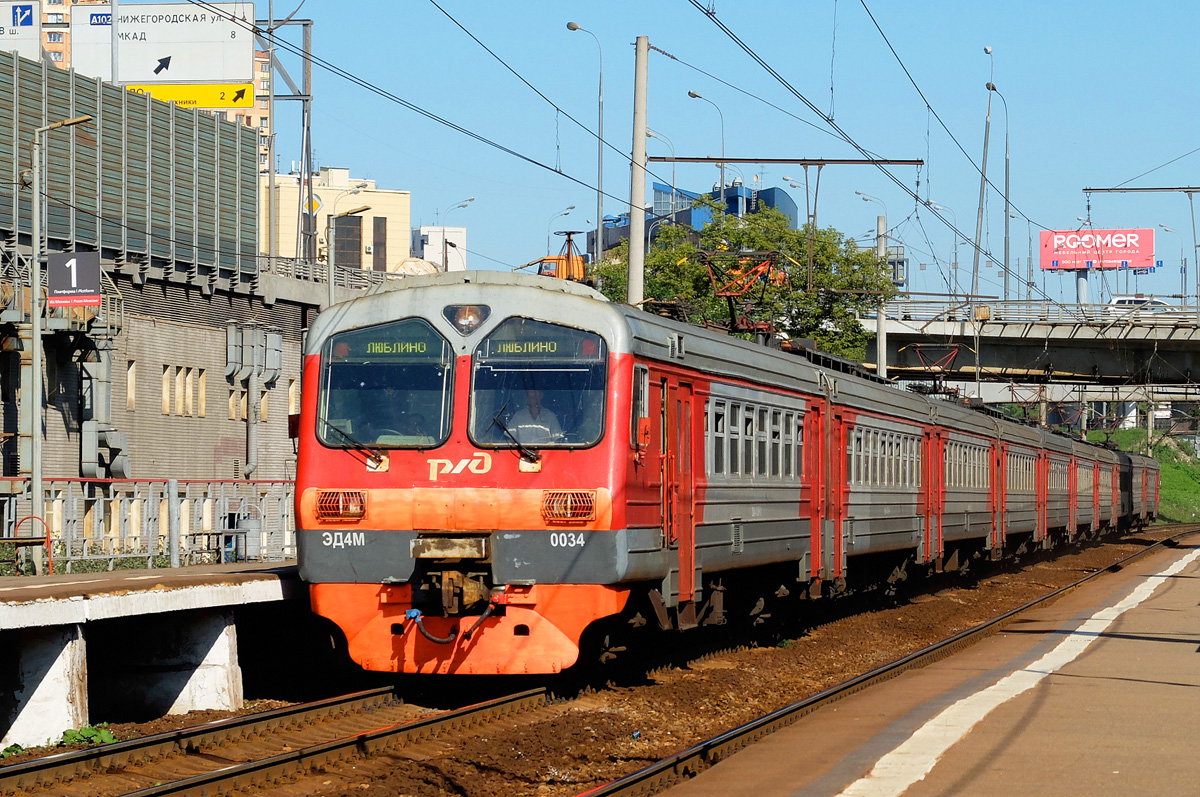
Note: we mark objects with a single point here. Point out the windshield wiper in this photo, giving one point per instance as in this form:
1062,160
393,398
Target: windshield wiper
373,457
527,454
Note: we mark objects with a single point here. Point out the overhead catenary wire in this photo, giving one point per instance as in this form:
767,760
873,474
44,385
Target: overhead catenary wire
843,135
558,109
373,88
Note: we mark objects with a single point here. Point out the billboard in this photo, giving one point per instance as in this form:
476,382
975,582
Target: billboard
1084,249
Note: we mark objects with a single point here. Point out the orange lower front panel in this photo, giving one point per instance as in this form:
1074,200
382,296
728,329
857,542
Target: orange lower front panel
538,632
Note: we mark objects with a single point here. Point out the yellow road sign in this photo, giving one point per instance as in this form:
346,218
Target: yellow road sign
200,95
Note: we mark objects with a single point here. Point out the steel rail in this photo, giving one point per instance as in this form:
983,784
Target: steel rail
294,763
690,762
44,772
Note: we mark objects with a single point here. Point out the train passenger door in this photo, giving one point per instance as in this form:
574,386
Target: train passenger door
1042,490
837,495
1115,483
1073,497
814,468
679,493
1000,494
934,490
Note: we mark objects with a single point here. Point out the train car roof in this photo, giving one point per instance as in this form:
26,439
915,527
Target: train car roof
654,337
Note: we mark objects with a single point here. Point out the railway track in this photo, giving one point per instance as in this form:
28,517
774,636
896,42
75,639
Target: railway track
669,771
246,752
275,751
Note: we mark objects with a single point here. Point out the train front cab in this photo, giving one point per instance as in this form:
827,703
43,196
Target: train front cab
446,542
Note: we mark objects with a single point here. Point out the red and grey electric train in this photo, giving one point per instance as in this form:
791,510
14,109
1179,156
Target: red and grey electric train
498,471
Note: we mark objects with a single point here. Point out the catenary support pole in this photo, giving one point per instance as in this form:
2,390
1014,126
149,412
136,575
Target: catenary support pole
881,317
637,182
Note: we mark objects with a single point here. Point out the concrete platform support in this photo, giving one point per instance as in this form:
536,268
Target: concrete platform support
171,663
47,691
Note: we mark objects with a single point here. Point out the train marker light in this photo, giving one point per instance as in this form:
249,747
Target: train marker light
466,318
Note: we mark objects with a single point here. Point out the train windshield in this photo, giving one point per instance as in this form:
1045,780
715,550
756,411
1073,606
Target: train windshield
539,385
387,386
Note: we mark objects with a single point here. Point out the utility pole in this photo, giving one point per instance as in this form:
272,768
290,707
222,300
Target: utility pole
637,182
881,315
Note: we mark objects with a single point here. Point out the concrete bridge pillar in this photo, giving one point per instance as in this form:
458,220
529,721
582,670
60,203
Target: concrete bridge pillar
170,663
45,684
128,669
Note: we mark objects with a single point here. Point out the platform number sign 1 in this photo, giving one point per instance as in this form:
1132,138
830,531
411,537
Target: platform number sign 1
73,279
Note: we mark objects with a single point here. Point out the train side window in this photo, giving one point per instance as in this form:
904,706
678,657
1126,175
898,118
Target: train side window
882,450
856,474
718,436
788,444
866,458
776,442
746,436
735,426
799,446
762,431
641,401
879,457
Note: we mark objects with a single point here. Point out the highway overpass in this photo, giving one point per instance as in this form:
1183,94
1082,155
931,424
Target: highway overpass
1030,342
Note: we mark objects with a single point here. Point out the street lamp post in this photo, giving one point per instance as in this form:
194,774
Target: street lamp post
456,206
992,87
667,141
987,129
331,232
447,244
35,312
446,215
599,144
696,96
1182,264
564,212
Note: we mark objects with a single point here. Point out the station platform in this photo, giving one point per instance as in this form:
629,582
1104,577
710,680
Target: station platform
1095,694
28,601
162,641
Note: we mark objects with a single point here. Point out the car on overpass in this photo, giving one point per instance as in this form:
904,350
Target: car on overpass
1139,307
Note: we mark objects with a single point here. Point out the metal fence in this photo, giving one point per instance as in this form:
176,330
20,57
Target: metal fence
105,524
1025,312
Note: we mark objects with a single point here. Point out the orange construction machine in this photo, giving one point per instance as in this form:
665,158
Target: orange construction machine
568,264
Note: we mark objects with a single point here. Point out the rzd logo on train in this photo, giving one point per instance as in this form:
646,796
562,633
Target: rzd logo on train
480,463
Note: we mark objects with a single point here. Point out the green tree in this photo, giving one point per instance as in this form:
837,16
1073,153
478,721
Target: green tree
846,280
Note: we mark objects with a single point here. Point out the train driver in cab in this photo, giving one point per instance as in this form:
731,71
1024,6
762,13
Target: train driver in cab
533,424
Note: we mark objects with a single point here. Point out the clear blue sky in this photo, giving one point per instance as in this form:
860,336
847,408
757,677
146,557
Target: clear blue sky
1099,92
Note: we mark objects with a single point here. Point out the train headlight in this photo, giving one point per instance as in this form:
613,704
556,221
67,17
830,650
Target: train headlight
341,504
568,506
466,318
